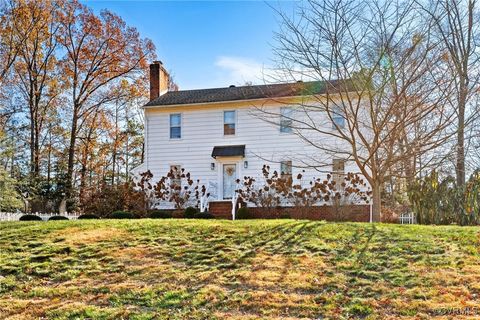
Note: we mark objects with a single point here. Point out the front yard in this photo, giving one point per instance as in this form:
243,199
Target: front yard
198,269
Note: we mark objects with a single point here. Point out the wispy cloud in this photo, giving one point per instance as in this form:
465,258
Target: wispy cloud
238,70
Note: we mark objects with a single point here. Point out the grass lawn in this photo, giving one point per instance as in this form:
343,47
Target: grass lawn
257,269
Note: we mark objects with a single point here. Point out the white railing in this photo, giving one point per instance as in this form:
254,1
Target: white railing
408,218
15,216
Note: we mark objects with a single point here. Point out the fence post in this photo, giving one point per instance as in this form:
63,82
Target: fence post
371,212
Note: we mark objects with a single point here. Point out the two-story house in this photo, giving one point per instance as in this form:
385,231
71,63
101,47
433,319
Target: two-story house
223,134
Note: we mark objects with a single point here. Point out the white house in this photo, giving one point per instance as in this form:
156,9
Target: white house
222,134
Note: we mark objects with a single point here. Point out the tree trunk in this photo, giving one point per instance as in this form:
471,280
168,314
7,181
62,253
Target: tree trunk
37,152
376,203
114,159
49,159
71,154
32,142
460,166
83,176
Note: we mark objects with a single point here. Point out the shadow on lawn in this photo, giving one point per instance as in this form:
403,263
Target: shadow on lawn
370,233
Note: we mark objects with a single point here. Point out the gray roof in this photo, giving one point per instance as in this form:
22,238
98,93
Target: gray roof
246,92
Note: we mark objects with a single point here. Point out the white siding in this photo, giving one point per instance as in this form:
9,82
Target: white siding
202,129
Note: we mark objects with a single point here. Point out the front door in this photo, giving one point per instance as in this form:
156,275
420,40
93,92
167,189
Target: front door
229,180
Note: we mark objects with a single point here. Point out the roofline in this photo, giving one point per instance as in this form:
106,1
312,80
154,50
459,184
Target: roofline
146,106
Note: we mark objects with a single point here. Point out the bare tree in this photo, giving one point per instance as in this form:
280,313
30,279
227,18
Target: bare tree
378,95
457,26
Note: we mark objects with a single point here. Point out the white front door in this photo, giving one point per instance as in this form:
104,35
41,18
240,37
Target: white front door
229,180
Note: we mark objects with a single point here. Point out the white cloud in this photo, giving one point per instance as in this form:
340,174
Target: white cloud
238,70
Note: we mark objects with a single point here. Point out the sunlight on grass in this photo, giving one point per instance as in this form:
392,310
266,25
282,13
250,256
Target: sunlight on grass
257,269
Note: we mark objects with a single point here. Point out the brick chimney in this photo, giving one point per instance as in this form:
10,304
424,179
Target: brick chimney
159,80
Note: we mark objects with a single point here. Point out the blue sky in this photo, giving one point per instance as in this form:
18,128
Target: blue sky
205,44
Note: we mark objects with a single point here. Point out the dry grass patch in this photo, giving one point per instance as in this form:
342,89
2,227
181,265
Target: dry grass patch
77,236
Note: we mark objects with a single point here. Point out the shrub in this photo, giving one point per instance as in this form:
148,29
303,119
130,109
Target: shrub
103,200
243,213
190,212
122,215
285,215
88,216
273,190
57,218
389,215
203,215
180,189
160,214
442,201
30,217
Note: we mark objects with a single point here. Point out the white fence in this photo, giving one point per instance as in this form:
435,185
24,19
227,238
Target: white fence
15,216
408,218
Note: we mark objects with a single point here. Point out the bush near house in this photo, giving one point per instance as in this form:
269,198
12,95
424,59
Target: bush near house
30,217
285,215
160,214
272,191
243,213
186,194
122,215
190,212
53,218
88,217
255,269
203,215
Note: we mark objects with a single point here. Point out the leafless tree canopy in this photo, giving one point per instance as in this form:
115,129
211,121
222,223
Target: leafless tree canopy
456,26
384,79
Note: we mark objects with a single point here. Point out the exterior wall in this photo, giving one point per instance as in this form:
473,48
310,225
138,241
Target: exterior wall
202,129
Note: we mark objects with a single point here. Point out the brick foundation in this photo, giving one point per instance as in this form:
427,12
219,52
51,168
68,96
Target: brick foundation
220,209
354,213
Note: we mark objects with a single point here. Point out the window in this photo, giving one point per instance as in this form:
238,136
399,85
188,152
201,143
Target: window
229,122
338,170
286,115
176,175
175,126
286,170
338,118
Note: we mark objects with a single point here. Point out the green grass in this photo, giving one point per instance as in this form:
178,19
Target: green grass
251,269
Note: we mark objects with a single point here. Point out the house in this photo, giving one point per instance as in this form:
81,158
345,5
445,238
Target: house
223,134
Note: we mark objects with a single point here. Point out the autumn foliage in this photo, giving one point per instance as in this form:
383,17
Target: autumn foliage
71,84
